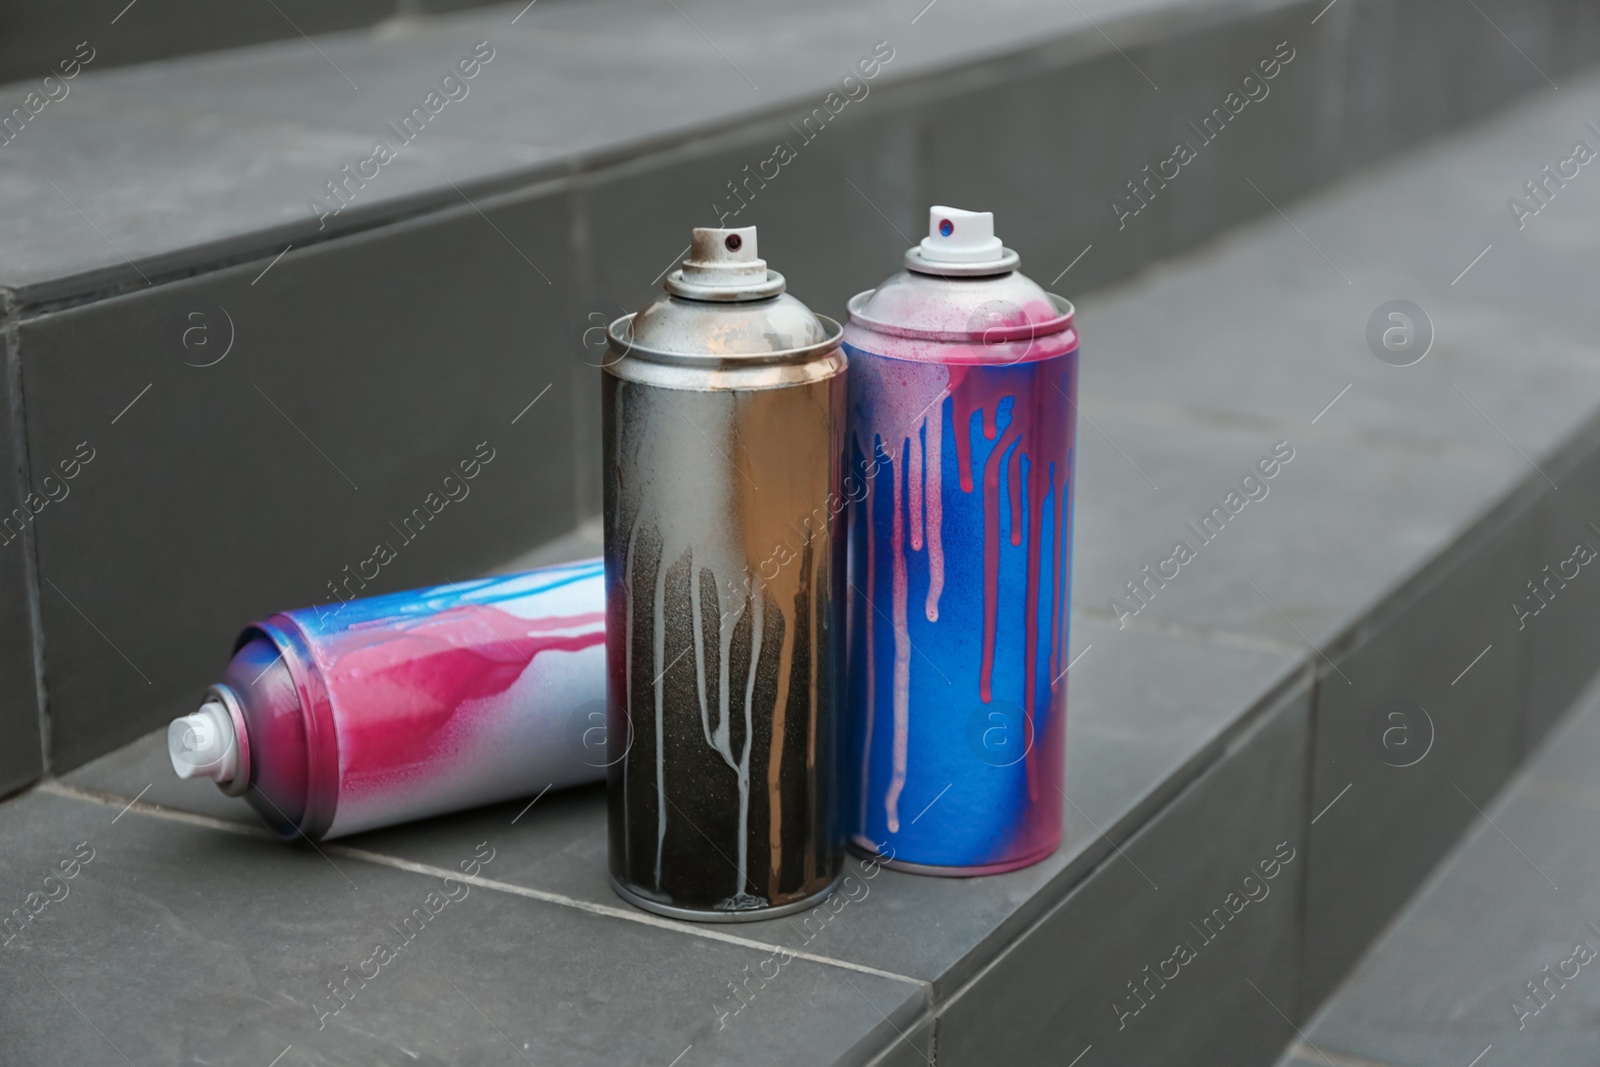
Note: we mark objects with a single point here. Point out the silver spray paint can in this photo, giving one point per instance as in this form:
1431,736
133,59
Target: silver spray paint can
724,431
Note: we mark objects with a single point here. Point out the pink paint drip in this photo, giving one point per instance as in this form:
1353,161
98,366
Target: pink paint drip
1038,438
405,697
911,381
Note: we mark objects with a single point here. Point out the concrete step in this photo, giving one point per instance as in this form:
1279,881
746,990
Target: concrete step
1490,962
1240,722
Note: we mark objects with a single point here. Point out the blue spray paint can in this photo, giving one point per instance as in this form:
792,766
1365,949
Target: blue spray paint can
962,383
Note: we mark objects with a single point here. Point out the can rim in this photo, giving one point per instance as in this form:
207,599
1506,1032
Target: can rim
735,293
618,333
707,915
1006,262
239,784
995,334
316,712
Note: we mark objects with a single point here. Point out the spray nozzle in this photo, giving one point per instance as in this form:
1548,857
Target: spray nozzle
723,257
203,745
957,236
723,265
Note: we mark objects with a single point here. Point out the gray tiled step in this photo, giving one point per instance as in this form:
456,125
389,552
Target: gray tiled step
233,489
1105,970
182,942
1198,734
459,283
1519,893
1148,715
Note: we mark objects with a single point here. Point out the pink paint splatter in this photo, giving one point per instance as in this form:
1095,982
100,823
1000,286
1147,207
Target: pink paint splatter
406,696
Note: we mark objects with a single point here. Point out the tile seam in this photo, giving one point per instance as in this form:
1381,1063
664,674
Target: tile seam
55,787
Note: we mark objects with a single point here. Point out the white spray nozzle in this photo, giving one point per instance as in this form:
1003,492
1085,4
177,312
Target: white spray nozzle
723,256
957,236
203,745
723,265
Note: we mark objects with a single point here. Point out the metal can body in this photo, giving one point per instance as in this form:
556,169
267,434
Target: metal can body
723,540
390,708
961,443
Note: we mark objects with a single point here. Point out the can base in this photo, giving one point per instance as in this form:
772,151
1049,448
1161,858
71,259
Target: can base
706,916
867,850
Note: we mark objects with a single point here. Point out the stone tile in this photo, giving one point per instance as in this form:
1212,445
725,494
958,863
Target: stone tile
125,168
22,755
914,1047
1282,143
1271,331
1260,350
1383,66
360,374
1570,756
1147,714
177,941
630,72
583,542
1411,718
40,35
1566,632
647,78
1141,482
1283,362
1469,178
1400,86
143,769
638,221
1057,991
1036,117
903,1043
1575,25
127,154
1484,71
1441,985
1032,118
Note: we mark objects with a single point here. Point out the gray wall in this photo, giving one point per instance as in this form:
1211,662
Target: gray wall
36,34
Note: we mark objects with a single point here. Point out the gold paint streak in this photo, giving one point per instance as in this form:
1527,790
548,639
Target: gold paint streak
789,443
813,687
775,762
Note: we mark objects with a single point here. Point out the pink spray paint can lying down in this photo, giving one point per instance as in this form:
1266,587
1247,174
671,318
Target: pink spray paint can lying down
334,720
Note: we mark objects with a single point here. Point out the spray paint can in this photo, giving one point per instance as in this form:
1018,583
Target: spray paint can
332,720
963,376
723,430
